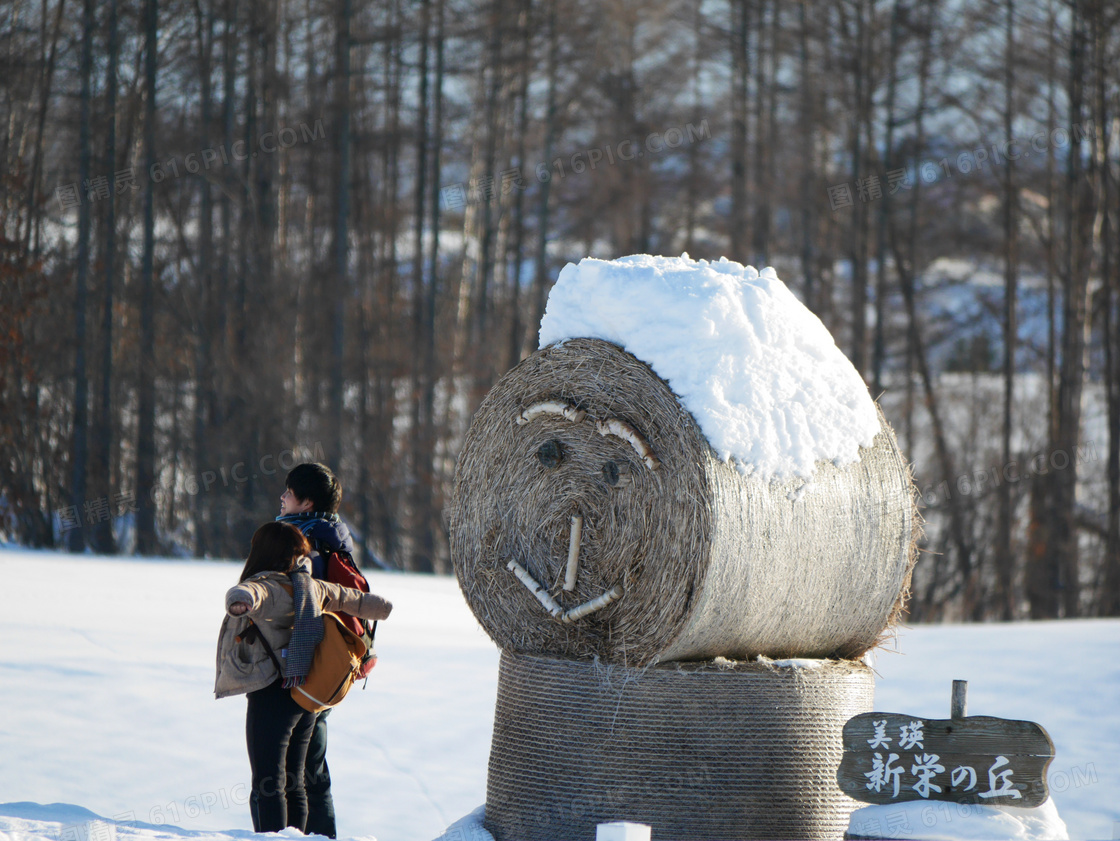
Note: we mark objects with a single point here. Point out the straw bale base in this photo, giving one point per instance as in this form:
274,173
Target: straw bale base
698,751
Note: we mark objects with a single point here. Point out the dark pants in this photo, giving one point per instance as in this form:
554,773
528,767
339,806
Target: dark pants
277,732
317,780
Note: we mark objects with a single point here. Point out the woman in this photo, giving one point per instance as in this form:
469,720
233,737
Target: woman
278,602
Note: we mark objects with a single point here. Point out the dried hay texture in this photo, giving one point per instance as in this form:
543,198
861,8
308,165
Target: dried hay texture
696,751
701,560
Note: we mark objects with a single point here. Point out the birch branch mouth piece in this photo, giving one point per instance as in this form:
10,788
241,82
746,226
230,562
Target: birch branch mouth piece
597,603
542,595
573,553
552,606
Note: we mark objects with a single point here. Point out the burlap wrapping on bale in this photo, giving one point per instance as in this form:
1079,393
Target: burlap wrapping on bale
694,750
710,562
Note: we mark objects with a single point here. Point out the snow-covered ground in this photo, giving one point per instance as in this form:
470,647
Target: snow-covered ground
110,729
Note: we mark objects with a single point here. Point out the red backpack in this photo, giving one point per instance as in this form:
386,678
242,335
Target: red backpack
341,570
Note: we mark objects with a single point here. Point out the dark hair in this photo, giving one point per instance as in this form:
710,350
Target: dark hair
315,481
275,548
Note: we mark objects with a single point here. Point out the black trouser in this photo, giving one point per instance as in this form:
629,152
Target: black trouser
317,779
277,732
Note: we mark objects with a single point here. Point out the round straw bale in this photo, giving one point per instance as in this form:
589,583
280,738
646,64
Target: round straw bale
591,518
696,750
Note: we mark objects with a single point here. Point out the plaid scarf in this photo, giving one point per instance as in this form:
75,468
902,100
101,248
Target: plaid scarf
307,630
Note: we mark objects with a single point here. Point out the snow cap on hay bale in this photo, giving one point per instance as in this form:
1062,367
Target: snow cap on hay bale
697,751
592,517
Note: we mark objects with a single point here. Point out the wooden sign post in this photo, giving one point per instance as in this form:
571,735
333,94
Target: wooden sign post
892,758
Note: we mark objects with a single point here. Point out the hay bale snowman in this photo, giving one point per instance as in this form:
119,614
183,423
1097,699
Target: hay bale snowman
683,521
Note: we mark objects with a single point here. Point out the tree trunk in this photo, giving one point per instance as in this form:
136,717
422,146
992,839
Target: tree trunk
1109,597
420,461
103,529
219,540
806,119
765,129
858,252
269,393
879,347
551,136
906,265
146,539
693,188
1005,558
1041,583
385,328
740,72
432,503
340,274
80,444
495,61
517,217
1110,603
243,412
33,235
204,362
1063,550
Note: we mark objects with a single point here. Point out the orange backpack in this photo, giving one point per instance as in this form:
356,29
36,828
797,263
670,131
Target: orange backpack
336,666
341,658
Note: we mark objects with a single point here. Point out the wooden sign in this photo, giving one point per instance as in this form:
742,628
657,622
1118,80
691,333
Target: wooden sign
892,758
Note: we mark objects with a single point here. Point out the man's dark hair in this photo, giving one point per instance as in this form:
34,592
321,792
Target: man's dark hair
315,481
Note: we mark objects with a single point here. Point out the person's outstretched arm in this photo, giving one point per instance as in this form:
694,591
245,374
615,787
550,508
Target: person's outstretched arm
355,602
246,597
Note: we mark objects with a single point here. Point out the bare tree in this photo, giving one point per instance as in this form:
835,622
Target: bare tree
1105,23
146,537
80,439
740,74
1005,561
551,136
1063,551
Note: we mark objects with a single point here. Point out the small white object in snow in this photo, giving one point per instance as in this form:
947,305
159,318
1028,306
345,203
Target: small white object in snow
759,372
622,831
925,820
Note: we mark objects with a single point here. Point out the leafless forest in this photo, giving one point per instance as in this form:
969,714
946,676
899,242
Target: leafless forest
236,234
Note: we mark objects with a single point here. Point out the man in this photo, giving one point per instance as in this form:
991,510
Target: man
310,502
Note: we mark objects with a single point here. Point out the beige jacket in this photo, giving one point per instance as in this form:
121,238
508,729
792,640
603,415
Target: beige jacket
245,666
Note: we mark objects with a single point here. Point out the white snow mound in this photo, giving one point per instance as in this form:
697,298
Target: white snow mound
923,820
469,828
759,372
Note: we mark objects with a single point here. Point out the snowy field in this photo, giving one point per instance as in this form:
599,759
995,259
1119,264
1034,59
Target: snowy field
111,731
